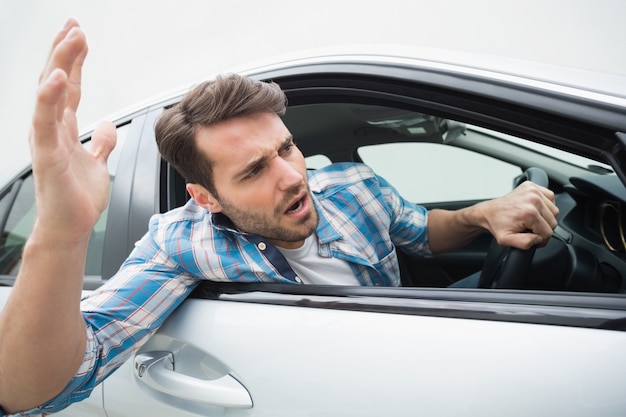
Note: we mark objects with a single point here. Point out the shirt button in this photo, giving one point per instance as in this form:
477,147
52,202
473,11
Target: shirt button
262,246
298,279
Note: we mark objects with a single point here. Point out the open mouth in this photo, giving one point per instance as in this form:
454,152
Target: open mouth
297,206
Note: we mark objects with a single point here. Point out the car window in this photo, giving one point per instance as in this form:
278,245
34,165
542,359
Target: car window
428,158
17,225
19,219
317,161
432,172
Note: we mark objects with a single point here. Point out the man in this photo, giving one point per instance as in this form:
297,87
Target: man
253,210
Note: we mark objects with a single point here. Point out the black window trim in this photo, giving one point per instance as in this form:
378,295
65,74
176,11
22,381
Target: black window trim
586,310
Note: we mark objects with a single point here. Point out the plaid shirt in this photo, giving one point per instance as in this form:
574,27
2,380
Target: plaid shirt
362,220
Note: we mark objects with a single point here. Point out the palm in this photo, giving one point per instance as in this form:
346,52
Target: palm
71,184
71,181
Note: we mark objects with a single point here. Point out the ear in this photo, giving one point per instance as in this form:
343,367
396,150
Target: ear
204,197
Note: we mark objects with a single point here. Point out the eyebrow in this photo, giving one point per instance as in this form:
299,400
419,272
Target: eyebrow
261,159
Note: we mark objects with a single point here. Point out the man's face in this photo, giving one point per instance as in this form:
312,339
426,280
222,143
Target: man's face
260,176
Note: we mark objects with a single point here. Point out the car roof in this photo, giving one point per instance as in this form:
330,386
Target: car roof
606,87
586,84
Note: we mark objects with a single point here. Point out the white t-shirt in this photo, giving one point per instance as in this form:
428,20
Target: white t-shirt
312,268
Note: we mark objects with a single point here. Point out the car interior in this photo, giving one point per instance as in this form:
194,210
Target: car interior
586,252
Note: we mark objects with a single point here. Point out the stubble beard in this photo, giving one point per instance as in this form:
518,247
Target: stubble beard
269,227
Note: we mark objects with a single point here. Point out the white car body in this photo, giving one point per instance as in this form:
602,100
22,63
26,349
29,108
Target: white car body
275,351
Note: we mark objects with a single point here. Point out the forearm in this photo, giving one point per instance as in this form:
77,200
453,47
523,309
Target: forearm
451,230
43,332
523,218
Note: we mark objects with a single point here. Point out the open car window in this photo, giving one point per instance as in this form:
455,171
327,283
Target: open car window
444,163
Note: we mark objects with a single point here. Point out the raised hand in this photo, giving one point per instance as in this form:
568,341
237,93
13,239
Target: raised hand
72,183
42,328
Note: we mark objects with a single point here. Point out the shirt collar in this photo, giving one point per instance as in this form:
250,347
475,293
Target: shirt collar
326,231
221,222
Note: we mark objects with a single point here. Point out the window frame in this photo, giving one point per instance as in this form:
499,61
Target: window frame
310,87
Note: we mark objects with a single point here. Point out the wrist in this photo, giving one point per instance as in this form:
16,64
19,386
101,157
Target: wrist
52,266
50,240
475,217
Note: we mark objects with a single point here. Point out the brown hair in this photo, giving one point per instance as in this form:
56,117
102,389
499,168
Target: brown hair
207,104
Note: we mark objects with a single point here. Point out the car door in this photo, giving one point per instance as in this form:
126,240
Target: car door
274,350
371,354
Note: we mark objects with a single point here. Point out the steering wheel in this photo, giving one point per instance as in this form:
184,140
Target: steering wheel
507,267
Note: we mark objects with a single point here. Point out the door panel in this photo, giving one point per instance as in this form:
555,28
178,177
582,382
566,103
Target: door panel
310,361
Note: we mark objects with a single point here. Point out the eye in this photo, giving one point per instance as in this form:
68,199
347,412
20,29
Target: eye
287,148
253,172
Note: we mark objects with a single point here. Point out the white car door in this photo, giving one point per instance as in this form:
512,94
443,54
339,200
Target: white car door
284,355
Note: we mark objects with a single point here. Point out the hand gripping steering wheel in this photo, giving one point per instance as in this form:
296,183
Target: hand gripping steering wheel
507,267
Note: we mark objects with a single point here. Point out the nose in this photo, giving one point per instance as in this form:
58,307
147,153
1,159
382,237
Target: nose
288,175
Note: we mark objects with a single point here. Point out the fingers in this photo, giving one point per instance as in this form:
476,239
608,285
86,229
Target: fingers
532,217
547,196
76,73
69,24
68,53
59,88
529,230
60,43
542,199
522,241
46,117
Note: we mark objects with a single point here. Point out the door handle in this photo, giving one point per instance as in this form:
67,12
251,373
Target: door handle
156,369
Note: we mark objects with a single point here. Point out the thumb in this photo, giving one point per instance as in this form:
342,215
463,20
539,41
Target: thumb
103,140
525,240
